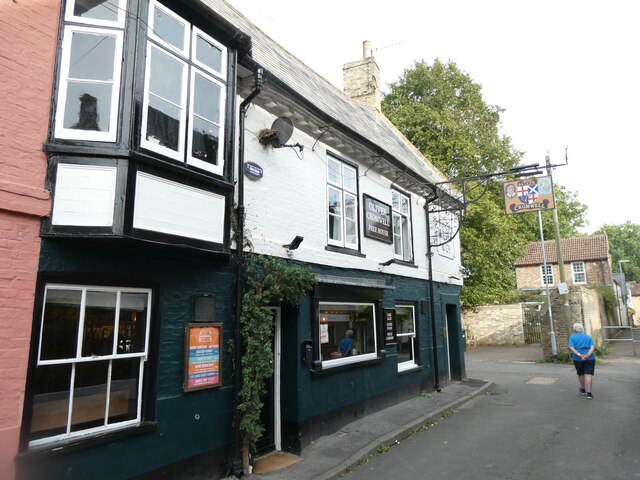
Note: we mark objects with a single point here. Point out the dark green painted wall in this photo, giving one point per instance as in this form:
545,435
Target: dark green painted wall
175,276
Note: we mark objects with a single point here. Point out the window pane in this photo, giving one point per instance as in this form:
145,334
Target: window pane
60,324
132,329
334,171
99,323
208,54
335,228
206,101
123,398
346,330
92,56
351,236
166,77
205,140
163,123
404,348
395,200
335,202
350,178
88,106
404,320
168,28
406,238
350,207
405,205
89,395
97,9
50,401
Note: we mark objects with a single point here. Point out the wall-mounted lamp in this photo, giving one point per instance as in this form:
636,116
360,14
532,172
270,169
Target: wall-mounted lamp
295,243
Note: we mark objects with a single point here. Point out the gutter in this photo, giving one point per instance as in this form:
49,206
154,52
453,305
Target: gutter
240,211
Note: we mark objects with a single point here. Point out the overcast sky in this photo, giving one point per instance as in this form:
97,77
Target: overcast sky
567,73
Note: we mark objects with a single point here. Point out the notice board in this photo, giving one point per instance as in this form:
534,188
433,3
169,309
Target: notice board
203,350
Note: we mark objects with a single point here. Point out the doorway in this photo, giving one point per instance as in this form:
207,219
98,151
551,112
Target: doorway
270,417
455,349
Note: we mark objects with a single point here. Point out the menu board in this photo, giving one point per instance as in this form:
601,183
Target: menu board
203,347
389,326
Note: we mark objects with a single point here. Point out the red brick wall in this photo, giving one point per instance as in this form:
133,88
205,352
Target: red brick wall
28,33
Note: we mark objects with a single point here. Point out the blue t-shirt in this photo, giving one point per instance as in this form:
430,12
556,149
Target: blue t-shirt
345,346
582,343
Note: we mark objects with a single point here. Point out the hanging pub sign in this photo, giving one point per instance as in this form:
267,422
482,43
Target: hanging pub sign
389,326
529,195
203,345
377,219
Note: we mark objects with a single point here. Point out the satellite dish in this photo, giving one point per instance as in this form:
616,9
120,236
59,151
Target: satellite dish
284,128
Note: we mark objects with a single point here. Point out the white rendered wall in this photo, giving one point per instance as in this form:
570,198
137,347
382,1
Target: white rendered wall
290,200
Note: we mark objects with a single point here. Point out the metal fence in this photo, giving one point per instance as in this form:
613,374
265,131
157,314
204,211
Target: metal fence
623,335
531,323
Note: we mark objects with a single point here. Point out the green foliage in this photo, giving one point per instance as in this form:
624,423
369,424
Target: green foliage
270,281
609,299
624,241
440,109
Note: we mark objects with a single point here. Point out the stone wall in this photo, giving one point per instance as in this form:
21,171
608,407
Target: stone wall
580,305
494,325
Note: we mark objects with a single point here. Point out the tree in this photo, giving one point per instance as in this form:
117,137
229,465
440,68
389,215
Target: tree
440,109
624,241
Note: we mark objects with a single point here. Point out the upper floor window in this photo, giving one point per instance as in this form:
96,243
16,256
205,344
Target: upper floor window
578,272
184,92
401,226
90,70
547,274
92,350
342,204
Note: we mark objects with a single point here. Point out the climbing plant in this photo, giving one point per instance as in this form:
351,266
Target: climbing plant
269,281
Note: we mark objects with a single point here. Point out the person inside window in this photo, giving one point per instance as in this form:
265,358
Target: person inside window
346,344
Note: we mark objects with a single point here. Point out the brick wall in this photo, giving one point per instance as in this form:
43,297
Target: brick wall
598,273
494,325
28,32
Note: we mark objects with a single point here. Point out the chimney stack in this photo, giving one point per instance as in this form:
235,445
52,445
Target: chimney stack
362,80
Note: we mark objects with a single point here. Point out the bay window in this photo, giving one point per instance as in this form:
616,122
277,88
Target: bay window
184,92
347,333
402,245
342,204
92,350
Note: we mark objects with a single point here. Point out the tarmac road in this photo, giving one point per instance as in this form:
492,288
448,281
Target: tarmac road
533,424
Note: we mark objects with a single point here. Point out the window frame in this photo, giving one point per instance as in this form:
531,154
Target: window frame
549,274
575,273
64,79
359,358
143,355
122,14
397,213
191,67
412,363
343,191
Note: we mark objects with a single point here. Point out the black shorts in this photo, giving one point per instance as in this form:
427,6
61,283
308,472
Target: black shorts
585,367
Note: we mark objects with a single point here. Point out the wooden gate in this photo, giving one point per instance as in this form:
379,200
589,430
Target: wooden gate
531,323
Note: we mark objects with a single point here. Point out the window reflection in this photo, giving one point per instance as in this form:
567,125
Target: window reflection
123,397
50,401
89,395
99,323
97,9
346,330
60,324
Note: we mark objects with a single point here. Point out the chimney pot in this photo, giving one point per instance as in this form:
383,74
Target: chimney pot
366,49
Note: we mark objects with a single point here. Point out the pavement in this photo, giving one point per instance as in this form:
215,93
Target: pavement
331,456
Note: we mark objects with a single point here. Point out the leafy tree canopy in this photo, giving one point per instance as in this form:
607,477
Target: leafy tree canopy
624,241
440,109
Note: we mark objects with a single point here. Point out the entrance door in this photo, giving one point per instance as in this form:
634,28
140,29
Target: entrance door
455,355
270,416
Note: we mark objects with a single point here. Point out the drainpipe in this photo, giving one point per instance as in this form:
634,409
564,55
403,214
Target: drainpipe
432,304
244,106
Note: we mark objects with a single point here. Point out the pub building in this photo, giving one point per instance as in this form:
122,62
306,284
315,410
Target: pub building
158,173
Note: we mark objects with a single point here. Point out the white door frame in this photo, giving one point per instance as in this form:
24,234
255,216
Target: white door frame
277,352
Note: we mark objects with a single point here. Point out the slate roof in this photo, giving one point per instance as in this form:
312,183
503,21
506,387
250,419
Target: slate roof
591,248
299,78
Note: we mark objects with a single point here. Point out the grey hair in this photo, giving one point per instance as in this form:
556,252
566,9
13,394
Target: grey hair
577,327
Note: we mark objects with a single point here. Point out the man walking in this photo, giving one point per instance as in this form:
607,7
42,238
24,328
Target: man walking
582,352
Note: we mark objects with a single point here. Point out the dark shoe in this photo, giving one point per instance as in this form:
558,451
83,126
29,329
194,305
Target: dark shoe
582,391
589,396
